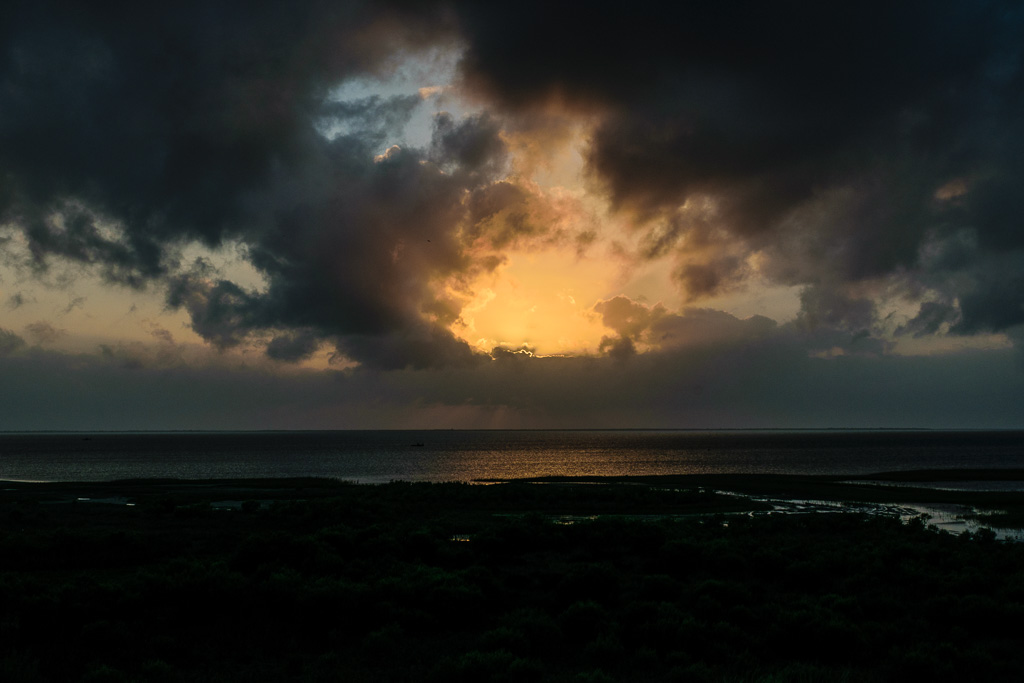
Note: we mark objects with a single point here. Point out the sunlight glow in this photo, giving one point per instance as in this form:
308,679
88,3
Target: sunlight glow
543,300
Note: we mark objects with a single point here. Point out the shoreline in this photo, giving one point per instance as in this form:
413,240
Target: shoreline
717,493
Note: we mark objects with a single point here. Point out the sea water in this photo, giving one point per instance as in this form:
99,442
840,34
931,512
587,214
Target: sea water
381,456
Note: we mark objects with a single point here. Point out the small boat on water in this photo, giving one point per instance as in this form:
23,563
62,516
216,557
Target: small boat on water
416,445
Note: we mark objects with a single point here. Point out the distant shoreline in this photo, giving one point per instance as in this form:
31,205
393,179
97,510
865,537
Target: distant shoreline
951,430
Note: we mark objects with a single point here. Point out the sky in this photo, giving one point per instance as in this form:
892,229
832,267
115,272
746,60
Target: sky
447,214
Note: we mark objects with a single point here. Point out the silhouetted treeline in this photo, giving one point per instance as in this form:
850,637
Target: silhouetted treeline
418,582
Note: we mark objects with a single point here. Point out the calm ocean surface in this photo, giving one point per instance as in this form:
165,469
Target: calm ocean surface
380,456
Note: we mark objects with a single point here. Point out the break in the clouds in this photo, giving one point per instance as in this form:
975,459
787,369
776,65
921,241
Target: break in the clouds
841,143
868,157
129,133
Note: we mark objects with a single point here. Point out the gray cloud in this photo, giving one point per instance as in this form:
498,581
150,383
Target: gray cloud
769,382
930,318
836,141
9,342
73,303
470,145
42,332
627,317
221,311
17,300
840,144
131,132
293,346
825,307
996,302
663,331
709,277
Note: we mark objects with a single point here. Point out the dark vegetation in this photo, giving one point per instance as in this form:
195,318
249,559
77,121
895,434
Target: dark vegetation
316,580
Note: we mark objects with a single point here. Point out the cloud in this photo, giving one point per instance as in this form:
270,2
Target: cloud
709,277
766,382
657,329
835,142
374,118
513,213
356,251
470,145
825,307
293,346
162,335
843,149
995,302
42,332
9,342
17,300
73,303
130,133
221,311
930,319
627,317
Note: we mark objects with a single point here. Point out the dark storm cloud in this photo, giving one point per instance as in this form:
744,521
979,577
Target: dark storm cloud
129,132
354,246
837,139
709,277
825,307
997,303
930,318
221,311
469,145
840,142
293,346
415,346
164,116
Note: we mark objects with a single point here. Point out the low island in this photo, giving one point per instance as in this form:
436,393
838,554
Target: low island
681,578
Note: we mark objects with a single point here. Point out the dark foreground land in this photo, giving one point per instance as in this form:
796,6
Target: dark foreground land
633,580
